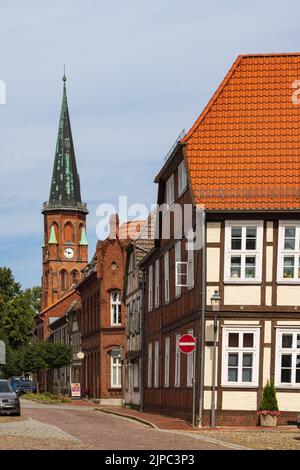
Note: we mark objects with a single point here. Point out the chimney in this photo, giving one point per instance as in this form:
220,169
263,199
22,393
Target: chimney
114,226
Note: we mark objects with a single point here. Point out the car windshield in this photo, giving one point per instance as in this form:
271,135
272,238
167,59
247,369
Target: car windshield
5,387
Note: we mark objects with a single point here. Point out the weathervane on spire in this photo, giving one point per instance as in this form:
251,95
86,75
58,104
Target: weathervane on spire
64,77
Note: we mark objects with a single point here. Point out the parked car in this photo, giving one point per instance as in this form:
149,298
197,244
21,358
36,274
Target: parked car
27,386
15,383
9,400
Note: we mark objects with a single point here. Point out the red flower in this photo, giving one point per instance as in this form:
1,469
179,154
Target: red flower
268,412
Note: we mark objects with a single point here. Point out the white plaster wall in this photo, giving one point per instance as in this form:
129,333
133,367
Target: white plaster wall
289,401
288,295
242,295
268,295
239,400
212,264
269,263
213,232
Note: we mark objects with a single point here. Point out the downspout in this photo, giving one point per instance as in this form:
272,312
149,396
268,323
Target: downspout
202,220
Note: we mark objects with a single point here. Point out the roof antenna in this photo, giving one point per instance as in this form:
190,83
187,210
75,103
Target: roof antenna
64,77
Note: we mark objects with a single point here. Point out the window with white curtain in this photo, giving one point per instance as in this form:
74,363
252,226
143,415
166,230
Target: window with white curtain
150,288
190,364
240,356
149,365
182,178
177,361
116,368
287,364
243,251
115,307
156,364
156,294
289,252
178,267
167,278
170,191
167,362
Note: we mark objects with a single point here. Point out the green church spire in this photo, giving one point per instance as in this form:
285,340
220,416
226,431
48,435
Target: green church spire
65,185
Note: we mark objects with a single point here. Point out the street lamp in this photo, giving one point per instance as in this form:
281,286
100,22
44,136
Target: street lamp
215,306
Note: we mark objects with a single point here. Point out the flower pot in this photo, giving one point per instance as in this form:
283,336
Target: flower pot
268,420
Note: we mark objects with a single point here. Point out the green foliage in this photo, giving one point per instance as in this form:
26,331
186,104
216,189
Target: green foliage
9,288
56,355
269,400
46,398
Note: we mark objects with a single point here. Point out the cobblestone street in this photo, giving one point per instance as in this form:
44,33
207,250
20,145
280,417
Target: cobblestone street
67,427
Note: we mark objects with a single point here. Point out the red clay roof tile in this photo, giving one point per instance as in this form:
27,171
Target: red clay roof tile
243,152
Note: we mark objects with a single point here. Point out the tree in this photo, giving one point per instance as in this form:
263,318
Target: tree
269,400
17,320
9,288
56,356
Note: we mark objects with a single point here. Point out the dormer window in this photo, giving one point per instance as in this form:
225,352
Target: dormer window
170,191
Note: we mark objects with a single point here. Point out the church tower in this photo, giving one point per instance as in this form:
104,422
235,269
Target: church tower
65,248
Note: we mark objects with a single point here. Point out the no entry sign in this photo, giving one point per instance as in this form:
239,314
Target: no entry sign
187,344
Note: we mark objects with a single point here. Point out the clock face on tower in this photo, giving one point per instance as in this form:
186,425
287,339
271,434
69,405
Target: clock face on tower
69,253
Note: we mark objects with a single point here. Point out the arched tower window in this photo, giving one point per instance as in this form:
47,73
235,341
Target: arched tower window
75,276
69,233
63,280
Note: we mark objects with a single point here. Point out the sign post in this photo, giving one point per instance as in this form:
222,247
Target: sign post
187,345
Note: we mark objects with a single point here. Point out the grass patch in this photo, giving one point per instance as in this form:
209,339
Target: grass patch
46,398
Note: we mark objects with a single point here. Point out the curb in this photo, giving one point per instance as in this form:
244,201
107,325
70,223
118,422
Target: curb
130,417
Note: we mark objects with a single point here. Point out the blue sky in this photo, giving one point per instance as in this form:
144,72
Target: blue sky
138,73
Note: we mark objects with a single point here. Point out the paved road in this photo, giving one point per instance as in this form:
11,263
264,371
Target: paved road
84,428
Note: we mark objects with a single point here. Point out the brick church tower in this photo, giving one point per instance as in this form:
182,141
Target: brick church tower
65,248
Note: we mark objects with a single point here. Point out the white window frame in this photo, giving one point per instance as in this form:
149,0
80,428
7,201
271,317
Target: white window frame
150,288
167,362
156,289
226,350
177,250
118,366
190,364
283,224
156,364
293,351
170,195
118,304
177,361
191,262
167,277
149,365
182,178
243,253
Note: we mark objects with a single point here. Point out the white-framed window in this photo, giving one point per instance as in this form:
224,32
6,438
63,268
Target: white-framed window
167,362
240,356
287,363
149,365
136,374
170,191
288,269
177,268
243,251
191,262
182,178
167,278
177,361
150,288
190,364
156,364
156,294
116,368
115,307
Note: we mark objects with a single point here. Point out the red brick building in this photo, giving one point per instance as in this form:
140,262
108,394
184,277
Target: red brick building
65,248
103,318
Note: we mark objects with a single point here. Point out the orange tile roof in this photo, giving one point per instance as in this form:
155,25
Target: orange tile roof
243,152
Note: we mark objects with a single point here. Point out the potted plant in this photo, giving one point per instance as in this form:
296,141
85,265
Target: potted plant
268,410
